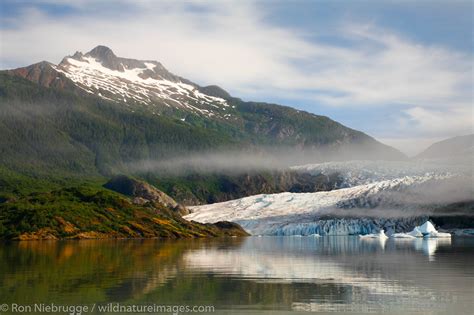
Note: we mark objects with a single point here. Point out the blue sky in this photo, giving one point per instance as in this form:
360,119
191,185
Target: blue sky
400,71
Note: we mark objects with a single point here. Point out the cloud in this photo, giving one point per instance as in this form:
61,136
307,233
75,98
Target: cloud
234,45
447,121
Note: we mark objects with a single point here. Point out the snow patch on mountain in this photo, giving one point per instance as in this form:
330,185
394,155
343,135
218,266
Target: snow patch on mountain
141,84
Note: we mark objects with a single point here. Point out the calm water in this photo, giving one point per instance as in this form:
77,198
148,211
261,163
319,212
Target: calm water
248,275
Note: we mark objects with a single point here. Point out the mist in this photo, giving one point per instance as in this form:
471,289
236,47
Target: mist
442,196
261,158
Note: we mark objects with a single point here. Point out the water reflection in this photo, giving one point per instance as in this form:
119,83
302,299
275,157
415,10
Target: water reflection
380,241
265,274
430,245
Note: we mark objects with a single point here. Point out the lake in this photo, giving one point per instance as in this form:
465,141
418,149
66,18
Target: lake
254,275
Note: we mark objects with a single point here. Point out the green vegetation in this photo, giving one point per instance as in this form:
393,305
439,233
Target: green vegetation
59,144
93,212
59,133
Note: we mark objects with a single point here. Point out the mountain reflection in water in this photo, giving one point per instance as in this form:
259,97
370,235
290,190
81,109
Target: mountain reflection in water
247,275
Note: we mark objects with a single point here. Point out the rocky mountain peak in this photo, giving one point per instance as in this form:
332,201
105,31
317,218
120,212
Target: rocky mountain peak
106,57
102,52
143,83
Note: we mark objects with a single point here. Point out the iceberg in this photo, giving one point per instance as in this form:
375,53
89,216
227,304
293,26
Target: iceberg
437,234
403,236
416,232
426,230
381,234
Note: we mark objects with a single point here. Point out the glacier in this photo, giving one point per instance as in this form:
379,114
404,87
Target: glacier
360,172
378,196
308,213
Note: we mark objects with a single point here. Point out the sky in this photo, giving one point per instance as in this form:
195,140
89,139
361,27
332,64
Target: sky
401,71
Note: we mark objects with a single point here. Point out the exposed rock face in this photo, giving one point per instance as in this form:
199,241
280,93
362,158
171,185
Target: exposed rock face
105,56
207,189
143,193
44,74
214,90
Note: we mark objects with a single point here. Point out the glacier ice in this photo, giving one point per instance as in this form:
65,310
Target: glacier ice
375,196
360,172
312,213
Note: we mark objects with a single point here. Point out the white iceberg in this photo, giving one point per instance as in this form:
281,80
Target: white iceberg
381,234
314,235
403,235
426,230
437,234
416,232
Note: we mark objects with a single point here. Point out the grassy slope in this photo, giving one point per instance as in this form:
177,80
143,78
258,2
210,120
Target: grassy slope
90,211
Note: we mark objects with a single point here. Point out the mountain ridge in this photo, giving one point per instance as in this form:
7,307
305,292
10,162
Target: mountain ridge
96,115
106,133
449,148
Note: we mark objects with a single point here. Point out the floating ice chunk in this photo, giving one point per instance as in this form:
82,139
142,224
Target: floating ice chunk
416,232
437,234
381,234
443,235
403,235
427,228
314,235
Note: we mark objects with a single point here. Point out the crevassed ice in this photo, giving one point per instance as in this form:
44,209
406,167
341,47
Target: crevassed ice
300,213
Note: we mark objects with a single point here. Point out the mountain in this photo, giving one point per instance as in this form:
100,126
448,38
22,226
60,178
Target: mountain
67,129
461,146
95,115
136,84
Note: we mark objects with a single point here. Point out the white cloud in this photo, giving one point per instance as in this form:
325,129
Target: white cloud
232,44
